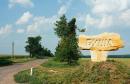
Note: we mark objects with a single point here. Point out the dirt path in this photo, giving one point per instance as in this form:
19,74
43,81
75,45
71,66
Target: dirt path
7,72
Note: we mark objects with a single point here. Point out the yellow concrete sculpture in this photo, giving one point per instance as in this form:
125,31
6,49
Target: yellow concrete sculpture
99,45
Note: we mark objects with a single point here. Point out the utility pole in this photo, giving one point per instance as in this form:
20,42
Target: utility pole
12,49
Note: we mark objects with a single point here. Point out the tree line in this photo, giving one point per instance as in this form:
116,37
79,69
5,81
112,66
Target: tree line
35,49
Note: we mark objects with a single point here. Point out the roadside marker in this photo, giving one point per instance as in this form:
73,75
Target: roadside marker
31,71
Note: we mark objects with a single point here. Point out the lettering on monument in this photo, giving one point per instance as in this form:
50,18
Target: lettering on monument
99,42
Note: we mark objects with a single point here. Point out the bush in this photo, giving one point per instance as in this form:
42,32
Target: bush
4,62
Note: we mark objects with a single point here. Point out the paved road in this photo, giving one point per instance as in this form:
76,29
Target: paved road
7,72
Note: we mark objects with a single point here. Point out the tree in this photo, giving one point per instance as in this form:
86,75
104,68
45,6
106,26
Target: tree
35,48
61,27
67,49
33,45
46,52
72,42
60,31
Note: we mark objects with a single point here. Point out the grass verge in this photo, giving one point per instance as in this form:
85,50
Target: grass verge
51,72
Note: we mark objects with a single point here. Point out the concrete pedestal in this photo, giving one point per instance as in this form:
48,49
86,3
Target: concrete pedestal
98,56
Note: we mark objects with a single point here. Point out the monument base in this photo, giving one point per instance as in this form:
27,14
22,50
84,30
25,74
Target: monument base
98,56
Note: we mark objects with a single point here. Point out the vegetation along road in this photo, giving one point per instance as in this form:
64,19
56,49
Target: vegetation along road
7,72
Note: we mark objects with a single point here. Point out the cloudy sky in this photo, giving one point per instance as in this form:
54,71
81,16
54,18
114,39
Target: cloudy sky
22,18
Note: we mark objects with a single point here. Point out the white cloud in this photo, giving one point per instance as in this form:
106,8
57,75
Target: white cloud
24,18
25,3
20,30
103,22
41,22
106,22
60,1
125,16
109,6
107,13
5,30
90,20
62,10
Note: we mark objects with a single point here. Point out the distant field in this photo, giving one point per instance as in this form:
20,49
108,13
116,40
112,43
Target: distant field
110,56
126,61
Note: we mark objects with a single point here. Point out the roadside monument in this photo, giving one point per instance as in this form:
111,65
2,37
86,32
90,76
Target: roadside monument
99,45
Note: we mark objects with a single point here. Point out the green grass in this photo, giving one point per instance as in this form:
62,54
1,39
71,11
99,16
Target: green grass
23,76
39,77
55,64
114,71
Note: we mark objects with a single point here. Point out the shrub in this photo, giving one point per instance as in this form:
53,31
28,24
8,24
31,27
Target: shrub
5,62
